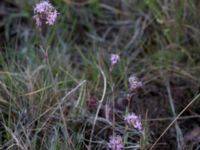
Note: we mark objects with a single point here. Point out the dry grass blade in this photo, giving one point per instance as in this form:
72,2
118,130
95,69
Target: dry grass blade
98,109
154,144
56,106
179,134
16,139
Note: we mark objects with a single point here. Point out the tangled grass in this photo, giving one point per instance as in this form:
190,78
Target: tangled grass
59,89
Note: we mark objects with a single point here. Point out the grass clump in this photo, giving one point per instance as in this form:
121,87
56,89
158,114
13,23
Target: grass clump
105,75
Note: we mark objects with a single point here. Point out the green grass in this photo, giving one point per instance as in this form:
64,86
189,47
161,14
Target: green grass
44,98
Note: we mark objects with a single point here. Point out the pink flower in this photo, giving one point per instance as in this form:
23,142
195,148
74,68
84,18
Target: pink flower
42,7
114,58
133,121
51,18
44,13
115,143
134,83
37,21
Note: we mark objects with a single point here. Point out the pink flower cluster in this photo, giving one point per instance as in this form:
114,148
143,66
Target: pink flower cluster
114,59
44,13
134,83
115,143
133,121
